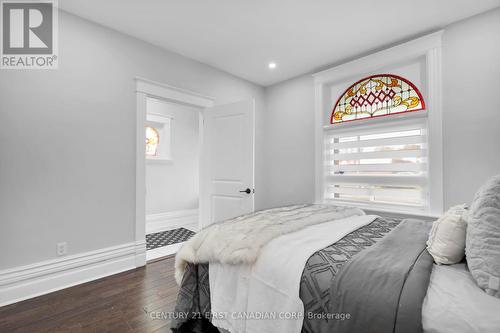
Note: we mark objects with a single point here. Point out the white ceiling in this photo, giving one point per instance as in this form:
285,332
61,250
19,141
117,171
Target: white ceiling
243,36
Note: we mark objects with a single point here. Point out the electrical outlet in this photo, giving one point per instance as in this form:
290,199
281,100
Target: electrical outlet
62,248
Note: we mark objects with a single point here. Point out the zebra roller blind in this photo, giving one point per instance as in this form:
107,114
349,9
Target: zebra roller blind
379,164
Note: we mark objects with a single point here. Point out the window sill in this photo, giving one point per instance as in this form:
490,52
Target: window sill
387,211
158,159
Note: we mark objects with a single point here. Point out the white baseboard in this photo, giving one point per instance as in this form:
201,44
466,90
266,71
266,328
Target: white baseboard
20,283
171,220
163,251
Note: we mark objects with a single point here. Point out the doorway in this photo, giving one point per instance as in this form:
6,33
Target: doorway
172,157
188,176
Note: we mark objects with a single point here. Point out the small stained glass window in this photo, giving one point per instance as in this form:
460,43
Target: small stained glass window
152,141
376,96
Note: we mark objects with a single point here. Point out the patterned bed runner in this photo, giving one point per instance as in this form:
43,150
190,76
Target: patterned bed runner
323,265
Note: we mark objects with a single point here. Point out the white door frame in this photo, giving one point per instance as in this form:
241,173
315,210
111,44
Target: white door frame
146,88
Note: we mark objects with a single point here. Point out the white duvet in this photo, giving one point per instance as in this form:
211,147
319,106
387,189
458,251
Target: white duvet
264,297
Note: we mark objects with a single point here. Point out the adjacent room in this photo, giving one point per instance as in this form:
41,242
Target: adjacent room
236,166
172,175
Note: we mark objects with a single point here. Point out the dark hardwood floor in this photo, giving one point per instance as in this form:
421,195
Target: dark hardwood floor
120,303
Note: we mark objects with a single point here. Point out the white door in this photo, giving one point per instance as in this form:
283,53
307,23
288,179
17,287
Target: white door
228,162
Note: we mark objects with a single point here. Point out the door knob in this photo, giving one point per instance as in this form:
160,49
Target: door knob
247,191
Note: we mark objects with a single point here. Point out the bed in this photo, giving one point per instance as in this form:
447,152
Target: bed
374,277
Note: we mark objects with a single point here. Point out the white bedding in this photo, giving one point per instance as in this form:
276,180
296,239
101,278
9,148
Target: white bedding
455,304
258,290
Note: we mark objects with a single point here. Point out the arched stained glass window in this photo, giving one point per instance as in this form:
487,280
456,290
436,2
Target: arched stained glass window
376,96
152,141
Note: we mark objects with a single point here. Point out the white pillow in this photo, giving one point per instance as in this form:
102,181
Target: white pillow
446,241
483,237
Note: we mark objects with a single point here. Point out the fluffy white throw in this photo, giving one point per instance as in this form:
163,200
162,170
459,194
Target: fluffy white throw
239,240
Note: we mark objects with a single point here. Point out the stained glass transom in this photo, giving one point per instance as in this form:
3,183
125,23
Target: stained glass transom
375,96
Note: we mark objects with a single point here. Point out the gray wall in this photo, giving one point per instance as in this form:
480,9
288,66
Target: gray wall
471,119
289,138
67,140
471,57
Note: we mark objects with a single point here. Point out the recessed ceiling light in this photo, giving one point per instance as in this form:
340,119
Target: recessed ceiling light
272,65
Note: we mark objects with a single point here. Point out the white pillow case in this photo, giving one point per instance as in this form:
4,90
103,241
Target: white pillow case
483,237
446,241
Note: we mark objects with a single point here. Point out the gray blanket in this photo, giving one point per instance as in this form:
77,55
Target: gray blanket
383,287
193,302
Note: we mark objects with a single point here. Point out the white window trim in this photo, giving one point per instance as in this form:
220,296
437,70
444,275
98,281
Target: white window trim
427,47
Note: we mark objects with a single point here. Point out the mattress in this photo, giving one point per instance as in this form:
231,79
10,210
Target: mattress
455,304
